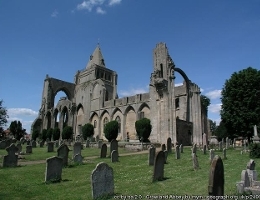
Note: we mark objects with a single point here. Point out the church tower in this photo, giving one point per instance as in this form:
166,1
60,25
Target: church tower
162,96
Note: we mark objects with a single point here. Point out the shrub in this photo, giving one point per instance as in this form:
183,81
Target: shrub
87,131
44,134
49,133
56,134
67,132
35,134
254,150
111,130
143,129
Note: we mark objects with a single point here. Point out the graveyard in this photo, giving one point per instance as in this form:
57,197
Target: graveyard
132,173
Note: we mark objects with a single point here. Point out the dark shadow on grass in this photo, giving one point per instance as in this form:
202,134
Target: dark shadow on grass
54,181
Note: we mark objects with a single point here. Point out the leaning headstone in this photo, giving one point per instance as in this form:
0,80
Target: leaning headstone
76,148
204,149
177,152
103,152
211,154
53,169
151,156
216,177
42,143
114,156
28,149
245,178
169,145
224,153
181,148
50,147
165,156
11,159
251,165
113,146
163,147
33,144
102,181
20,147
63,152
195,162
158,171
78,159
194,148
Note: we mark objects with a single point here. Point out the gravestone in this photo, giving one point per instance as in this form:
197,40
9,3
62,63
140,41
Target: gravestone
181,148
103,152
177,152
220,146
113,146
194,148
100,142
211,155
78,159
204,139
169,145
76,148
33,144
42,143
102,181
195,162
158,170
216,177
11,159
251,165
227,143
114,156
87,143
163,147
53,169
165,156
50,147
245,178
224,153
57,144
20,147
2,144
204,149
151,156
28,149
97,138
63,152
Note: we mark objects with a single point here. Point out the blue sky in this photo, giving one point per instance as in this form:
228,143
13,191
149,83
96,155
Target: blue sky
209,40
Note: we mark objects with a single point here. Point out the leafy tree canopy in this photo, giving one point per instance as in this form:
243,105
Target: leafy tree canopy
221,131
87,131
111,130
56,133
143,128
49,133
240,102
3,115
44,134
205,102
35,134
17,130
67,132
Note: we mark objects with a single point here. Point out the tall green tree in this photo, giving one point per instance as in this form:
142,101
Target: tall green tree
205,102
87,131
17,130
67,132
56,133
111,130
212,126
49,133
240,102
143,129
221,132
3,115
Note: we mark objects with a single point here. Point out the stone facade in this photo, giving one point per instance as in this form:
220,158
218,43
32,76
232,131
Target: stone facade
174,112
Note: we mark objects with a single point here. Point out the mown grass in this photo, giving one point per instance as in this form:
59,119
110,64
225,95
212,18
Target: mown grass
132,176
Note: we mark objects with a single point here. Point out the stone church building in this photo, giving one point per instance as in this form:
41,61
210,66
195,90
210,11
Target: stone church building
174,111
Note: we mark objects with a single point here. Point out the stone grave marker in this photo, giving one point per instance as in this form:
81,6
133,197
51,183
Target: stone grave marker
114,156
20,147
227,143
163,147
78,159
158,170
169,145
103,152
216,177
195,162
53,169
50,147
204,149
87,143
205,142
245,178
251,165
100,142
11,159
28,149
181,148
151,156
42,143
165,156
57,144
211,154
33,144
220,146
224,153
76,148
177,152
63,152
102,181
113,146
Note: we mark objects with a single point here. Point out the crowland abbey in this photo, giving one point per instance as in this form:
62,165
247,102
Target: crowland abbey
174,112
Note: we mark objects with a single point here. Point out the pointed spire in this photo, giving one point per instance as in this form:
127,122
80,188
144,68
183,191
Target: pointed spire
96,58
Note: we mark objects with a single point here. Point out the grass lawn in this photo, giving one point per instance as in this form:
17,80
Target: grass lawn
132,176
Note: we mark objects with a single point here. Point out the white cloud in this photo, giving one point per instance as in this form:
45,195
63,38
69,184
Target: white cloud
201,90
100,11
133,91
88,5
215,108
13,112
178,84
54,13
114,2
214,94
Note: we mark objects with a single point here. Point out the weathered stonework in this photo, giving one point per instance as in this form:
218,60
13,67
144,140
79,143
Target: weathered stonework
174,112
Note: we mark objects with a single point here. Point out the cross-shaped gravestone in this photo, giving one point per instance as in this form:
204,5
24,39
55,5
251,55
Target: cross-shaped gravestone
11,159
